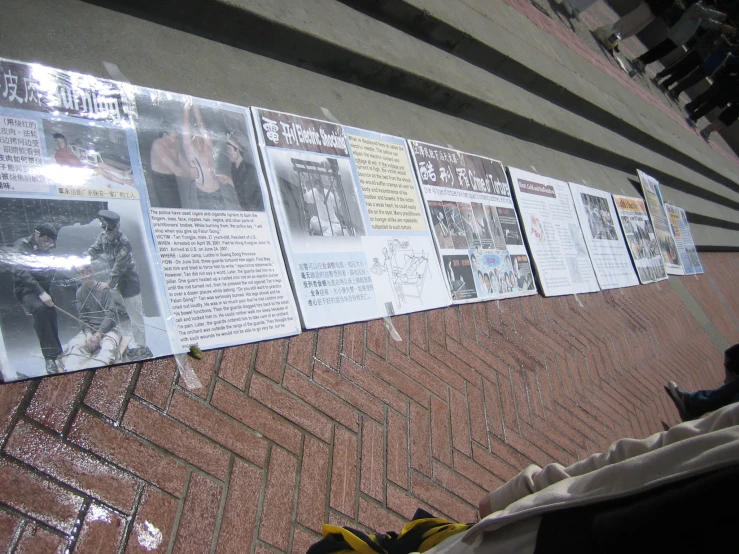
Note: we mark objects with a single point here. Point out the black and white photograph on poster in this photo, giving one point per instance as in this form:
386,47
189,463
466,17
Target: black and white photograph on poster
454,218
602,236
459,271
524,277
498,238
641,239
442,228
599,217
318,195
469,225
509,223
87,155
483,226
195,156
77,289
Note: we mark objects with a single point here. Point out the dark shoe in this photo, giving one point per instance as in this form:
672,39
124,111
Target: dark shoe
691,121
51,367
678,397
638,65
136,354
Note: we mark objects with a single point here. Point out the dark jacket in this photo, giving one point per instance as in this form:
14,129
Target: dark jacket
32,272
117,253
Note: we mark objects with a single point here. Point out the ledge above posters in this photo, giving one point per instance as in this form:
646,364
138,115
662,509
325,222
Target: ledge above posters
640,238
603,237
655,204
356,238
553,233
82,283
476,229
683,239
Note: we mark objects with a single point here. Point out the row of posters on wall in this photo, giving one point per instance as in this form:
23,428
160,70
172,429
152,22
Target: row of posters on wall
136,223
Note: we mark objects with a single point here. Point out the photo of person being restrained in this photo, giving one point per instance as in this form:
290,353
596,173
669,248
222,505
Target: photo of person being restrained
196,156
77,288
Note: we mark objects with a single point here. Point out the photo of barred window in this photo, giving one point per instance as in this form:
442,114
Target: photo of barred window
317,194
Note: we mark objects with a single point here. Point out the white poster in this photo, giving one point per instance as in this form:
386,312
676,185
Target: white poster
603,237
79,284
469,203
553,233
84,180
640,238
683,239
356,239
210,213
655,205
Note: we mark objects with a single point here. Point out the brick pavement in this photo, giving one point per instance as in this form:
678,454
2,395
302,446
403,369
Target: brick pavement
346,425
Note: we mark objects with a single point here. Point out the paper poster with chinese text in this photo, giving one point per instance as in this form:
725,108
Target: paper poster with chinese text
603,237
210,213
351,220
660,222
553,234
683,239
475,225
79,287
640,238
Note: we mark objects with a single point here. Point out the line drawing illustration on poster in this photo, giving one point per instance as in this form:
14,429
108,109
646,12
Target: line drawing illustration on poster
406,269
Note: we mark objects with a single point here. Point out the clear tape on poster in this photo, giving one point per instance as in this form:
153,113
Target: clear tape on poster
391,330
184,367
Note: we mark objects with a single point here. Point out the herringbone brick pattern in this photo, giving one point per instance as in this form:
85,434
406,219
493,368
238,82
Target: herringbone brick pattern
345,425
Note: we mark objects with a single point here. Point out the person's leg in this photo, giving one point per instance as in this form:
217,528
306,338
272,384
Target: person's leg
680,68
707,96
712,128
686,82
659,51
108,351
135,310
76,354
704,401
45,325
719,100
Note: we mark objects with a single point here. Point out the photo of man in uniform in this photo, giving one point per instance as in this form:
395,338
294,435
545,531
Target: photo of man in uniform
114,248
33,275
96,344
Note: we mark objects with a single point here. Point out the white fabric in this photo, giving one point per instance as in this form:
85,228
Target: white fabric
76,356
633,22
628,467
695,16
135,310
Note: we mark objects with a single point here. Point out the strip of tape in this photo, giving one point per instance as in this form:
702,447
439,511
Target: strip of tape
578,301
391,330
186,372
328,115
388,323
115,72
